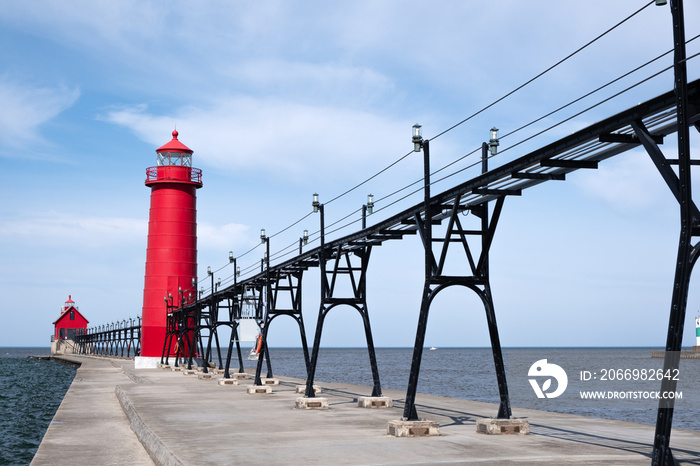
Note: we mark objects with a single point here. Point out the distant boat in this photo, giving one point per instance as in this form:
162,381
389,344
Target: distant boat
432,348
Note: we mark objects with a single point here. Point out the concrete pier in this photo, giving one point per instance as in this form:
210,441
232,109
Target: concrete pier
113,414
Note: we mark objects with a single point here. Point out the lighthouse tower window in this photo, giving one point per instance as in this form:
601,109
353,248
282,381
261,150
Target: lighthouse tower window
72,315
174,158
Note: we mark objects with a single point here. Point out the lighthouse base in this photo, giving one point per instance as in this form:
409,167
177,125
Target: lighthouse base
144,362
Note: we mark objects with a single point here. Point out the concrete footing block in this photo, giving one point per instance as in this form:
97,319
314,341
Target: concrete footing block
176,369
272,381
240,376
189,371
311,403
374,402
493,426
228,382
143,362
413,428
259,389
163,366
302,389
205,376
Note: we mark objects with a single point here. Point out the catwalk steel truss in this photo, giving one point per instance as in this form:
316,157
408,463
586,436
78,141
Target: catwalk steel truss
115,339
644,125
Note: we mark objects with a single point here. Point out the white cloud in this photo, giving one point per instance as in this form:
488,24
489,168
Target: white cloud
275,136
64,230
221,238
26,107
628,183
300,81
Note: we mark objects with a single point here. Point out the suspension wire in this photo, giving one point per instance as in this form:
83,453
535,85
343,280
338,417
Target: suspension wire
500,99
469,118
371,177
541,118
542,73
347,216
293,224
275,254
597,89
591,107
566,119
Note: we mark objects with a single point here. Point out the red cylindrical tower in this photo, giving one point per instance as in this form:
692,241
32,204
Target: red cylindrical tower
171,255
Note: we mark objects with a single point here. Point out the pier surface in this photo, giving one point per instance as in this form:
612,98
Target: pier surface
113,414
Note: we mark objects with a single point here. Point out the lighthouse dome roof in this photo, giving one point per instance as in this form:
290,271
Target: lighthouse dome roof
174,145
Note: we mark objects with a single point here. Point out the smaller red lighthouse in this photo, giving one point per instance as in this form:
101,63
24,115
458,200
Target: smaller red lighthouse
66,326
171,254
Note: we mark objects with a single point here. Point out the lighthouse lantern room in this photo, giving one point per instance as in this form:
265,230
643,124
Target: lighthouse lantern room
171,252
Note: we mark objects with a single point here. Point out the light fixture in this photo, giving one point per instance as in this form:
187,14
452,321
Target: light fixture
238,271
230,256
218,283
660,2
208,270
262,235
370,204
417,138
493,142
305,238
194,282
315,204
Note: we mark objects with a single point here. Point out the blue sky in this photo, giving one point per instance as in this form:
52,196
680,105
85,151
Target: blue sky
279,100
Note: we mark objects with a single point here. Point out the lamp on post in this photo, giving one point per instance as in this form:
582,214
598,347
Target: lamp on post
236,269
318,207
417,138
493,142
304,240
367,209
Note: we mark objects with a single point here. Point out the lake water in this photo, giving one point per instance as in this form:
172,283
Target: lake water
468,373
31,391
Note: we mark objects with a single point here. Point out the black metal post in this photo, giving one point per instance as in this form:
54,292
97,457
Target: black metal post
311,370
662,453
410,413
504,410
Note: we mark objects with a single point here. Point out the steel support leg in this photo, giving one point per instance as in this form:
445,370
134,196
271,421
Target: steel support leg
504,411
409,411
662,453
311,372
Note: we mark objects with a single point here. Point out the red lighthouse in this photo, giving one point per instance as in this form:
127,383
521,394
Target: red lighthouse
171,255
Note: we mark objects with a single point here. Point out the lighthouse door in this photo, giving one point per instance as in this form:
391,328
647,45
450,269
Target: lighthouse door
173,287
